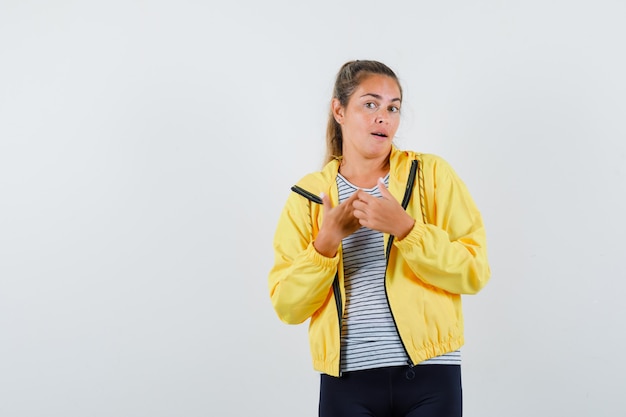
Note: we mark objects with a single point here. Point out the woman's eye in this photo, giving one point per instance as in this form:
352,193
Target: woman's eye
394,109
370,105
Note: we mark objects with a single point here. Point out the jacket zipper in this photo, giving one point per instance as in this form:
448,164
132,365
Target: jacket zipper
338,301
405,203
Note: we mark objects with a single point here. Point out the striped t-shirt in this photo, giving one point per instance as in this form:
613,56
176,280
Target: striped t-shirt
369,338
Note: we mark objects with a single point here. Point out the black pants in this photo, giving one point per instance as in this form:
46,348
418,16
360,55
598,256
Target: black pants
420,391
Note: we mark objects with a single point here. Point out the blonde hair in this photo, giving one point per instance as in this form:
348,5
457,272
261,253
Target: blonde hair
349,77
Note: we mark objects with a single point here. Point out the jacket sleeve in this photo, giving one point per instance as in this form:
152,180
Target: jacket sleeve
451,253
301,279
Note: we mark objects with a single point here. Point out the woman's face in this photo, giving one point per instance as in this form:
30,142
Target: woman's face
371,118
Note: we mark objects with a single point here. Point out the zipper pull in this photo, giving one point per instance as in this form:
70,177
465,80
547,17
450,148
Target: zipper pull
410,373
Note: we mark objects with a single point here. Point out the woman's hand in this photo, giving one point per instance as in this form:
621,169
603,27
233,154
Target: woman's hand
382,214
338,223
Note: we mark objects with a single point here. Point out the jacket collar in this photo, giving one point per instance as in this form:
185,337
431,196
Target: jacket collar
399,168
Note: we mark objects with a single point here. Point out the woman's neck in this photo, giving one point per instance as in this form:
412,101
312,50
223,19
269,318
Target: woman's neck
364,173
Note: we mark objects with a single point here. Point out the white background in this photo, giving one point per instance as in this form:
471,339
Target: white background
147,148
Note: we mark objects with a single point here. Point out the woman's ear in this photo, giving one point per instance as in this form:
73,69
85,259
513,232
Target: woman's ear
337,109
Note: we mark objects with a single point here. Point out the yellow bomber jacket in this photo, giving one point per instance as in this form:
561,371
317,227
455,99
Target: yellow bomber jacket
442,257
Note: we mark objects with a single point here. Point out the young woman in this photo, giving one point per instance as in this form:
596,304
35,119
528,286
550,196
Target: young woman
376,250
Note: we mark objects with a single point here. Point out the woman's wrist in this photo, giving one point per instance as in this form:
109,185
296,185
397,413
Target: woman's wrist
406,227
326,245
